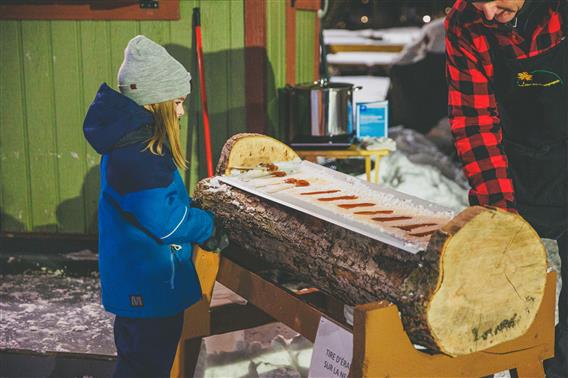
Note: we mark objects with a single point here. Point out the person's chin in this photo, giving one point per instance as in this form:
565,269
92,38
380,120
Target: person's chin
504,20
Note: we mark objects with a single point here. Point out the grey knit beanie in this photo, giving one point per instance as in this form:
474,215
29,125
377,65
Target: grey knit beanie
149,74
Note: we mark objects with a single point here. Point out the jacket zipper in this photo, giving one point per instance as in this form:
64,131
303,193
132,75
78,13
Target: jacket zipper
173,249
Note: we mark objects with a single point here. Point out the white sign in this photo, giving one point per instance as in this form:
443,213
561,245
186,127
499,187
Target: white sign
333,351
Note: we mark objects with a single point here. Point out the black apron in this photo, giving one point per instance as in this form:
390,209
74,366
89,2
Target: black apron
532,98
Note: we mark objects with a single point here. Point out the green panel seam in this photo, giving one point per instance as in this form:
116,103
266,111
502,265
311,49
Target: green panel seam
26,133
54,124
82,104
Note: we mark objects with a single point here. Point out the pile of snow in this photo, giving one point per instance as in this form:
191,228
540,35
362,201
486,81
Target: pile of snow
432,39
399,35
423,181
366,58
421,169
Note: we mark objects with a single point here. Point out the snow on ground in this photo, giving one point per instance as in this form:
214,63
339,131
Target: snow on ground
47,311
272,350
44,311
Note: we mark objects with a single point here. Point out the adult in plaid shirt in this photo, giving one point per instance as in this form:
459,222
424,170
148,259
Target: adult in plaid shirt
507,69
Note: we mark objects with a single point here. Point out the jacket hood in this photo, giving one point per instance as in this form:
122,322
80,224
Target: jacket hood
110,117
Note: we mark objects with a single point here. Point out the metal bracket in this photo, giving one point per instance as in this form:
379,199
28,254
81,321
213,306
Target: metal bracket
149,4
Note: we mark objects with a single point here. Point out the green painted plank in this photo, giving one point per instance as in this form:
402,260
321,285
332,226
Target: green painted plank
69,117
276,65
195,116
15,205
215,27
236,76
157,31
95,66
180,47
58,73
305,42
38,73
120,33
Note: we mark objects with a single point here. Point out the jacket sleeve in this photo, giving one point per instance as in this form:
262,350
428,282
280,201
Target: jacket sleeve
163,214
474,119
147,194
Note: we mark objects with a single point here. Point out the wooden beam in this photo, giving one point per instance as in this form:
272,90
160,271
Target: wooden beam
311,5
291,7
88,10
394,48
255,65
287,308
235,317
317,49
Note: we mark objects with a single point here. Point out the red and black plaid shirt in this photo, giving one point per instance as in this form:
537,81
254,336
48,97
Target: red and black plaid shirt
473,112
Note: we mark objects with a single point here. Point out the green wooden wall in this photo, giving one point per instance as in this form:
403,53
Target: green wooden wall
50,72
276,54
276,70
305,42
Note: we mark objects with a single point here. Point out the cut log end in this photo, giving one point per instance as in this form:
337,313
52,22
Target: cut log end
491,282
248,150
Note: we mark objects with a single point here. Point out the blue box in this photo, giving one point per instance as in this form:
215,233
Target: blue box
372,119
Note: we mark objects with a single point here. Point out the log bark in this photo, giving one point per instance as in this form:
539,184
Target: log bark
479,282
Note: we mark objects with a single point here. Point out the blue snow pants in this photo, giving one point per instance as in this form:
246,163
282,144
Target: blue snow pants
146,347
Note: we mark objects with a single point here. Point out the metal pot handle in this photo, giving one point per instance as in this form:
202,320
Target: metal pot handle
357,88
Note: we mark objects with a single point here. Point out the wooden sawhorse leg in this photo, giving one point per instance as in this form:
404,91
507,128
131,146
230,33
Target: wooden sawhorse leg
197,321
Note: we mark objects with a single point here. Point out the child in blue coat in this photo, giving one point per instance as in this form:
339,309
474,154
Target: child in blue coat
147,225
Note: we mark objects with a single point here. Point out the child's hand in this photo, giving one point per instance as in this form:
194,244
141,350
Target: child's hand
218,241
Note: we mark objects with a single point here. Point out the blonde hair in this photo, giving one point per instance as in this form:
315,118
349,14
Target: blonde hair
166,125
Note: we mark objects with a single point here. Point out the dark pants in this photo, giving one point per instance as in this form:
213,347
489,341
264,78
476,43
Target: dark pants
146,347
558,366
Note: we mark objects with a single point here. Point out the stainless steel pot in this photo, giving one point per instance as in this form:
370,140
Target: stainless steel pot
320,112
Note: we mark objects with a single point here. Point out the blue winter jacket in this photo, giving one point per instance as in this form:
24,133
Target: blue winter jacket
146,223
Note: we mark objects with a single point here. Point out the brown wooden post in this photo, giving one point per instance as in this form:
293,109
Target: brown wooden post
290,43
88,10
317,49
291,7
255,65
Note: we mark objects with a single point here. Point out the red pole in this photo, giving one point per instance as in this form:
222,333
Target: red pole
204,110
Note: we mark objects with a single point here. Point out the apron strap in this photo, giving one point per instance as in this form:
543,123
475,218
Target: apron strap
563,10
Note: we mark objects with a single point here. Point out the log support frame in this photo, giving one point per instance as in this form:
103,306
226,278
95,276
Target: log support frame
380,345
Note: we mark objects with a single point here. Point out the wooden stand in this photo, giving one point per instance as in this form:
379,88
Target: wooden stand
352,152
380,346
